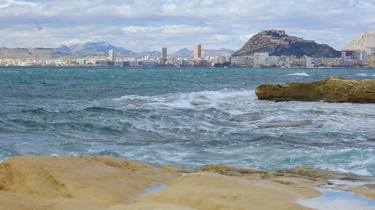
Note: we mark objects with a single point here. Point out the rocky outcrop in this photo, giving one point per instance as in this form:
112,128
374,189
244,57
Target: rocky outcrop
333,89
278,43
108,183
362,41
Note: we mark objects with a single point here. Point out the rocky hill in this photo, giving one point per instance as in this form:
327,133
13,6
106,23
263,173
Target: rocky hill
362,41
278,43
29,53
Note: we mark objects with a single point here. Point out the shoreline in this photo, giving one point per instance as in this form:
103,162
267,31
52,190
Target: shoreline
102,182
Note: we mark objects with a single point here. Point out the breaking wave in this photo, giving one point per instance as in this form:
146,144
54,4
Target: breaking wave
186,118
362,75
299,74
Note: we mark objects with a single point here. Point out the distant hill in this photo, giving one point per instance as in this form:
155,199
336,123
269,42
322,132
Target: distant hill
29,53
184,52
362,41
278,43
92,48
77,50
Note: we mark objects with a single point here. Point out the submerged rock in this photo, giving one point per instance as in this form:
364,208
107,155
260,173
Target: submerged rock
333,89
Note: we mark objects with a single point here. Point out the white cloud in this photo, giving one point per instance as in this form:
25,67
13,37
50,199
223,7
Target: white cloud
143,24
167,29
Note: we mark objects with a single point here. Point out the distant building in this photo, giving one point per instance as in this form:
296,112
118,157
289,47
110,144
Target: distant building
111,56
260,59
164,56
370,51
309,62
371,61
198,51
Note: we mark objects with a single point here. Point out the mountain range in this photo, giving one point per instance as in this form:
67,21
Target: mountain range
94,49
275,42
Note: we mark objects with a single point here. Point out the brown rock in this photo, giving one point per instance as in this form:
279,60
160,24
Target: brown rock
333,89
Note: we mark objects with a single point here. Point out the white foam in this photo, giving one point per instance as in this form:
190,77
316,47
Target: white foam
299,74
225,99
362,75
208,115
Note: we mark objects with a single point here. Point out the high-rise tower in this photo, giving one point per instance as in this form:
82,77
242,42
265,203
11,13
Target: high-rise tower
164,55
198,51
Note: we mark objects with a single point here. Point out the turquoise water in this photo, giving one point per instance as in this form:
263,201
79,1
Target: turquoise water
333,200
186,117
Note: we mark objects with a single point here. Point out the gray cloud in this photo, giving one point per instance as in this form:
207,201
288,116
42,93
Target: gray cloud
150,24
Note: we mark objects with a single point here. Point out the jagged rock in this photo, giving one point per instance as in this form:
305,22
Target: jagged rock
362,42
333,89
278,43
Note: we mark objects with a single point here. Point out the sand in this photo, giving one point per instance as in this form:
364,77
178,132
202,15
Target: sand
80,183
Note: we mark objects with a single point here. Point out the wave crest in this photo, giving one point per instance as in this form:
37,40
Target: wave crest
299,74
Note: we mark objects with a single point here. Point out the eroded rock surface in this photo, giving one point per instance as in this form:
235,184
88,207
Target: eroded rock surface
333,89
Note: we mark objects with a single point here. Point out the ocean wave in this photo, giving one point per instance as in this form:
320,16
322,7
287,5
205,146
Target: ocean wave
91,109
38,111
286,124
299,74
91,128
362,75
221,99
97,109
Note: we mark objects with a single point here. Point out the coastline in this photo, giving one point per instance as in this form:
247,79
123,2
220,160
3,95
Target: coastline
102,182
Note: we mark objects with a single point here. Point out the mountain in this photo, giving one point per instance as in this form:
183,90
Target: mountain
184,52
278,43
92,48
362,41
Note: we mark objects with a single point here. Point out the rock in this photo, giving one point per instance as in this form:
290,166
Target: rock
362,42
333,89
99,179
108,183
278,43
206,191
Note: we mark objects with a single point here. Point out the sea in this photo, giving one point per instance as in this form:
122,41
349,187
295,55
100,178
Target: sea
185,117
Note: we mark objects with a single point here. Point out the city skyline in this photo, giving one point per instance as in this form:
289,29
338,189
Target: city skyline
147,25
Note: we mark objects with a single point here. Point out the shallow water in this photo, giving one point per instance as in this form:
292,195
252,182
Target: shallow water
156,188
186,117
334,200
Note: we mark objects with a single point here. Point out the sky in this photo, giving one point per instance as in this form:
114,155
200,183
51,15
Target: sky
141,25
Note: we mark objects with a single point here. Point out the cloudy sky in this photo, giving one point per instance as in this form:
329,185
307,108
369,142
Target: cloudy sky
149,24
